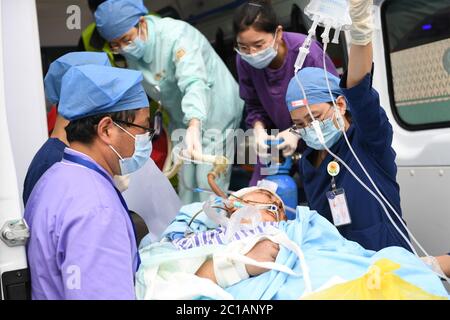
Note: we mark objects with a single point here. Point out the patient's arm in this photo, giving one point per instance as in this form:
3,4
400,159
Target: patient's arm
263,251
206,270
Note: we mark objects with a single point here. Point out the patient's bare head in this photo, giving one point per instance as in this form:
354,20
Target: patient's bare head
263,197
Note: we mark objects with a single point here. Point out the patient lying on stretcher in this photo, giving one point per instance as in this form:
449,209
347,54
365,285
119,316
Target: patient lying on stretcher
267,259
268,205
271,210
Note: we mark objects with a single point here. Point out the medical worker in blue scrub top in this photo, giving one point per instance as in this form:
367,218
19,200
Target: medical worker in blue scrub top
329,187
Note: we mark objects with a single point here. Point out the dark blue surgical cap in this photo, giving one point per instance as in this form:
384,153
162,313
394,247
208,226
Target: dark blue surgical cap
91,89
59,67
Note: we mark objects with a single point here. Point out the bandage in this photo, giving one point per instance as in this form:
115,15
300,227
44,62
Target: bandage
229,264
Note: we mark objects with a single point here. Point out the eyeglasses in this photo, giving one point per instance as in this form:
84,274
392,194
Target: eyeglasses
249,49
300,130
116,47
150,131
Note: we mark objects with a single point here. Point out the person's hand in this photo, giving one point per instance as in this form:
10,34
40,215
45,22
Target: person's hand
444,263
261,137
263,251
290,142
193,140
437,264
362,21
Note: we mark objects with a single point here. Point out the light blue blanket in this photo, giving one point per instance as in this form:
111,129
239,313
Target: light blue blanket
327,255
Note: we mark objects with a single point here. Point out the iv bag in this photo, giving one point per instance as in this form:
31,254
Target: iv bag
332,13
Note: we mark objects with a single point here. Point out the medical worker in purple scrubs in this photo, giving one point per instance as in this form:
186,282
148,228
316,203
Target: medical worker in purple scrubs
83,243
265,64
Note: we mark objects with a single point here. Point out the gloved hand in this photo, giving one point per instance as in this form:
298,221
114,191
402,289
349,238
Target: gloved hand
290,142
362,21
193,140
261,137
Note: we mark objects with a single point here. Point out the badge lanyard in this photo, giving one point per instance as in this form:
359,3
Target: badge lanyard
90,165
336,198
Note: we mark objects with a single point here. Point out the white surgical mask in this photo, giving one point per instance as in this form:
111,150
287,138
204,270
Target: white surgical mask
142,151
331,135
261,59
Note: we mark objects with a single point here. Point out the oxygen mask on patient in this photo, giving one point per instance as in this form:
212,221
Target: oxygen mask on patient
231,215
242,211
225,211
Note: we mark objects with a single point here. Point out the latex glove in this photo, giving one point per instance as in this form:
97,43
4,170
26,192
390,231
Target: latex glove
362,21
433,264
261,138
193,141
290,142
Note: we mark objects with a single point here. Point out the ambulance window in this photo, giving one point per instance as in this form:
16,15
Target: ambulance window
417,43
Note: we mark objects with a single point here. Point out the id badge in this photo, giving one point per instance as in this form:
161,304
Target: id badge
339,209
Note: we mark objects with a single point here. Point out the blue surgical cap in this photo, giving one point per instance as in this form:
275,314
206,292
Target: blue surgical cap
315,85
59,67
114,18
91,90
